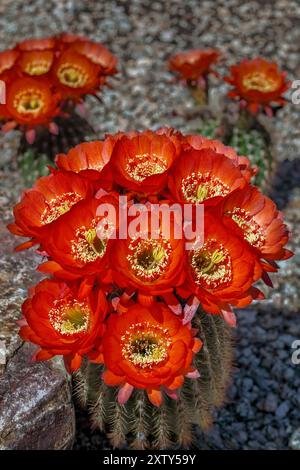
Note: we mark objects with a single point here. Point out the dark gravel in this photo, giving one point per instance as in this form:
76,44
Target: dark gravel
263,407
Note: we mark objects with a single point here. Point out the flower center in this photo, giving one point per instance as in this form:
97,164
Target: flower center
29,102
72,76
198,187
69,318
259,81
87,247
253,233
145,345
144,165
59,206
211,265
38,67
149,258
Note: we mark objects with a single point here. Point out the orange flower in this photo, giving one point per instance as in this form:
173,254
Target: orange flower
75,75
50,198
61,324
259,83
73,241
8,59
140,163
148,348
261,223
36,63
193,64
152,266
199,176
41,44
92,156
98,54
200,142
221,272
31,101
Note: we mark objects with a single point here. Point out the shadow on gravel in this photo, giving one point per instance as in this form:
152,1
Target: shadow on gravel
286,178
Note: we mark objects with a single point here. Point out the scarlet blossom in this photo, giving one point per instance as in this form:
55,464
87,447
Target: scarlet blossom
8,59
61,324
259,83
50,198
86,156
40,44
222,271
148,348
98,54
140,163
203,176
74,241
193,64
260,221
152,264
75,75
36,63
31,101
200,142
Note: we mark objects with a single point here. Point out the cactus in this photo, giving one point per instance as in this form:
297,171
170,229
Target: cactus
71,131
210,128
32,167
253,144
142,425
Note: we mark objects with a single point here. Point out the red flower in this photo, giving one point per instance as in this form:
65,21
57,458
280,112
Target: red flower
75,75
199,176
193,64
50,198
200,142
74,243
61,324
31,101
86,156
221,272
98,54
148,348
8,59
258,82
260,221
152,266
36,62
41,44
140,163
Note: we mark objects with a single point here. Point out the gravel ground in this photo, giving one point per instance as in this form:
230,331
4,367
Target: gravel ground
263,402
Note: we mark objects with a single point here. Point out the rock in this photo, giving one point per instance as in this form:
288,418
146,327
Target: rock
271,403
36,410
282,410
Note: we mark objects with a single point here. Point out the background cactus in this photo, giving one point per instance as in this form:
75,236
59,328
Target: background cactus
34,158
253,144
143,425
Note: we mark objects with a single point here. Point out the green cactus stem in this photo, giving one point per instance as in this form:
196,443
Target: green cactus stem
253,144
141,425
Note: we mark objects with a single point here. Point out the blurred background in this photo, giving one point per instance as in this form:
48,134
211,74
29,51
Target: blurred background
263,405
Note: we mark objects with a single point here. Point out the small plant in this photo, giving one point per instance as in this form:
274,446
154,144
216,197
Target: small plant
144,319
48,77
193,68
